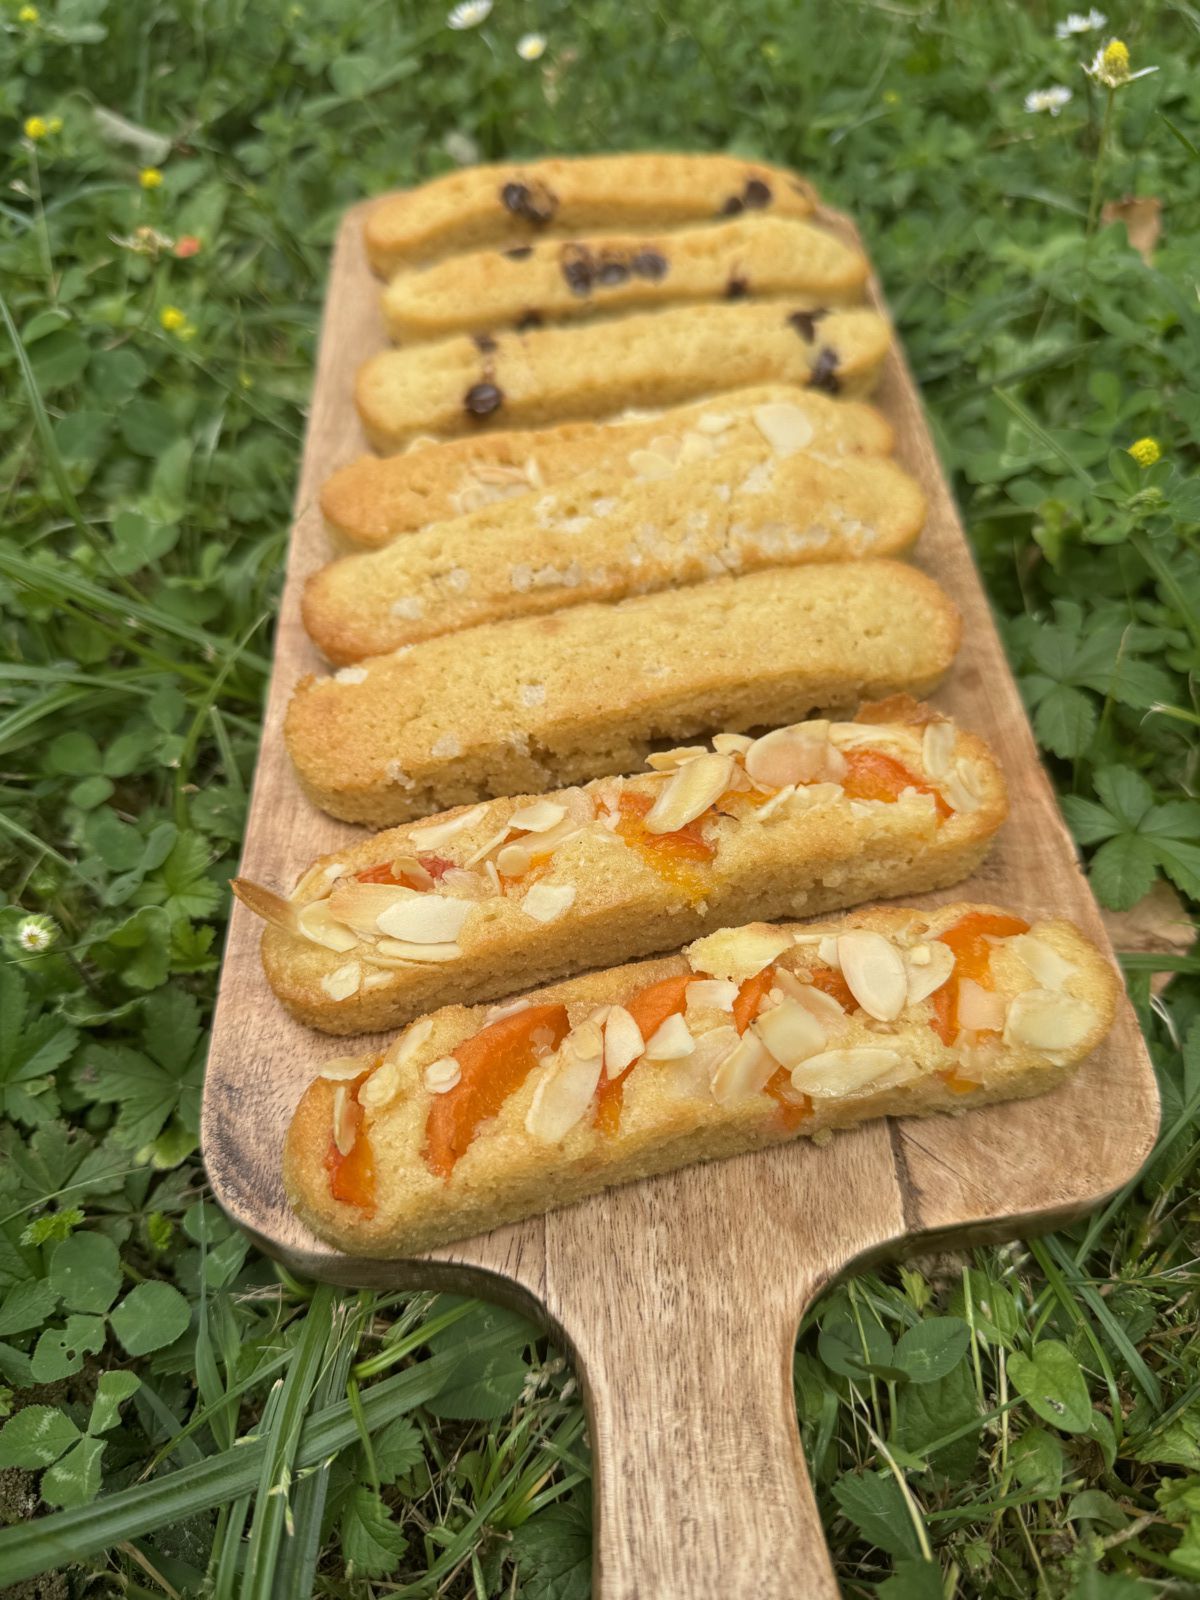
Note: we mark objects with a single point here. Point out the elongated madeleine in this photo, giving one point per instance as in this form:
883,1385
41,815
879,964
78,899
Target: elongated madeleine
656,358
515,707
376,499
557,280
517,891
608,536
755,1035
514,203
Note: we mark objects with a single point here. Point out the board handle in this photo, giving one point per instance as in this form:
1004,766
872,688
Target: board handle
700,1486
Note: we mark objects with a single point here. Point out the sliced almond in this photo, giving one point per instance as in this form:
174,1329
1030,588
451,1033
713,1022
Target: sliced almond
797,754
827,951
711,994
486,848
960,788
928,967
343,981
827,1010
672,1040
785,427
360,905
695,447
1042,960
440,1076
790,1032
268,905
509,1008
668,760
737,953
544,902
732,744
874,973
513,860
404,951
744,1071
937,748
714,422
345,1123
689,792
425,919
1046,1019
384,1083
539,817
623,1042
778,802
341,1069
316,922
979,1008
563,1094
838,1072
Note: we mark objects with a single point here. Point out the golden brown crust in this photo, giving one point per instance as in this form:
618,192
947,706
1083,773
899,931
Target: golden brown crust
757,256
656,358
515,707
669,1118
375,499
607,537
515,203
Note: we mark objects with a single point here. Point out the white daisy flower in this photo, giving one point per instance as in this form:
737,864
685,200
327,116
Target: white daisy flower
1076,22
469,14
461,148
1051,100
36,934
531,46
1110,66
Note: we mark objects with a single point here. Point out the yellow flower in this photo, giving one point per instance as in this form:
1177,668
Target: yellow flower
1110,66
1146,451
172,319
150,178
27,14
36,127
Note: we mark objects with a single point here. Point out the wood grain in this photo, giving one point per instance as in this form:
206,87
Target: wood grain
680,1297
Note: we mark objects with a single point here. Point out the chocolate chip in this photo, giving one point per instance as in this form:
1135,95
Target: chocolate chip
611,272
481,399
532,201
578,268
519,252
484,343
649,264
737,289
824,372
805,322
529,319
732,206
756,194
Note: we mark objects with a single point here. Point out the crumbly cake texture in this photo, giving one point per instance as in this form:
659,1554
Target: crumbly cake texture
656,358
806,1064
789,841
607,536
757,256
517,707
515,204
377,498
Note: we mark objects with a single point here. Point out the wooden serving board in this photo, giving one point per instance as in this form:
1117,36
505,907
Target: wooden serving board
680,1297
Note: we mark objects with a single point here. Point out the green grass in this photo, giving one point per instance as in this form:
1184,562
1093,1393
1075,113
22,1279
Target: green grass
185,1419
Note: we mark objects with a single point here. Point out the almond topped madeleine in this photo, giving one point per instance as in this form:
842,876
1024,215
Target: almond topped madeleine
755,1035
653,358
480,901
538,702
515,202
610,535
557,280
378,498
